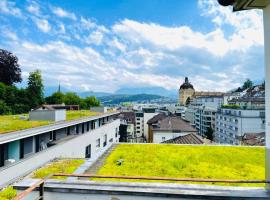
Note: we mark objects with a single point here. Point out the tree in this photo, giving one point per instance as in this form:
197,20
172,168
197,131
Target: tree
55,98
4,108
72,98
35,89
10,71
247,84
91,101
209,134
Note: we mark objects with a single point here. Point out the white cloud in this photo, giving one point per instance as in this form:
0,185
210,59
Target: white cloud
85,55
63,13
87,23
9,8
43,25
34,9
95,37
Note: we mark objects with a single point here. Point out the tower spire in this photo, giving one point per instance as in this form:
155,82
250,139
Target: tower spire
59,88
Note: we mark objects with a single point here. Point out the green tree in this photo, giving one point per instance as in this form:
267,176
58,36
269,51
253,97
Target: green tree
91,101
209,134
4,108
10,71
55,98
72,98
247,84
35,89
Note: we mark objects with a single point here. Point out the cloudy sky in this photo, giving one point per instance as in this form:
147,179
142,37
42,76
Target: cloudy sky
104,45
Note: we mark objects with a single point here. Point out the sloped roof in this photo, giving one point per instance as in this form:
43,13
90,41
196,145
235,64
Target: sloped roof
254,139
130,115
174,124
190,138
156,118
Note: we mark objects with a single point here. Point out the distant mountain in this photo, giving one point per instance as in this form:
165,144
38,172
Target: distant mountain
139,98
91,93
148,90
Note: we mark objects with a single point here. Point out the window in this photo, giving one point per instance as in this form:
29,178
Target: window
105,140
88,151
98,143
163,139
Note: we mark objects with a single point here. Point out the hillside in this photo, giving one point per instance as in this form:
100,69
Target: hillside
139,98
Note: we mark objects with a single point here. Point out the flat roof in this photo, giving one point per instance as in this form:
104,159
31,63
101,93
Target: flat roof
16,135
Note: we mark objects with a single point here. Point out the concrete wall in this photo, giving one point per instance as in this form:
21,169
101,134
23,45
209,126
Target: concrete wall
73,148
47,115
101,109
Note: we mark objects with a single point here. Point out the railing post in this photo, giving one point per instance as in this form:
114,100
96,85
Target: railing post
41,191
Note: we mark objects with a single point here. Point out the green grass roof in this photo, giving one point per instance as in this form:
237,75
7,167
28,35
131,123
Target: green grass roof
9,123
185,161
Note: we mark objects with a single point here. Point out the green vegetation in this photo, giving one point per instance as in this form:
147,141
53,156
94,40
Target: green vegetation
76,114
59,166
9,123
71,98
184,161
8,193
15,100
231,106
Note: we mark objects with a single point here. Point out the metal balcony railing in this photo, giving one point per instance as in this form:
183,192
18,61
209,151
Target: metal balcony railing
40,184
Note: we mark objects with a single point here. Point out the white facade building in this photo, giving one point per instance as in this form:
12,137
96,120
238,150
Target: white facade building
205,119
232,124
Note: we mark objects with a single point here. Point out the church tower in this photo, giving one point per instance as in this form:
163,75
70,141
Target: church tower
186,91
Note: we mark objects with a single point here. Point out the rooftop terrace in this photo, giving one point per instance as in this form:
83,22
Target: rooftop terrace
157,161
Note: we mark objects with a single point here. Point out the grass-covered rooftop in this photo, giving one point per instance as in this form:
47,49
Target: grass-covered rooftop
185,161
9,123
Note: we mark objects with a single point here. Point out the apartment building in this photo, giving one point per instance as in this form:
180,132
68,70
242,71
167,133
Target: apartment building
163,128
25,150
205,119
232,124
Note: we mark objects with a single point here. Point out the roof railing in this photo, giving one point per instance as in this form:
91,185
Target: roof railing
40,184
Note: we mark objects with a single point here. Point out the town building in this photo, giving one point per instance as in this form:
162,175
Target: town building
233,123
127,127
163,128
205,119
186,92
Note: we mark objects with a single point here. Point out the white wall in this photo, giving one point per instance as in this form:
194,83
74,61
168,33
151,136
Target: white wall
47,115
74,148
157,136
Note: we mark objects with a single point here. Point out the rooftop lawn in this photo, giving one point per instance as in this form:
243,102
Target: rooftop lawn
8,193
178,161
76,114
9,123
60,166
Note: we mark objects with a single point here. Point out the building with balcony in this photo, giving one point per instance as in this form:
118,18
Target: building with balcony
205,119
24,150
233,123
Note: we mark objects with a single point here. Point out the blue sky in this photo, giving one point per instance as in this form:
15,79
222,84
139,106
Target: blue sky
105,45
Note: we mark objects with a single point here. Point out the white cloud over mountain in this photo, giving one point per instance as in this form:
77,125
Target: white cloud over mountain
85,55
